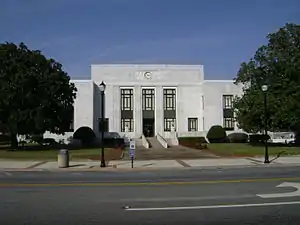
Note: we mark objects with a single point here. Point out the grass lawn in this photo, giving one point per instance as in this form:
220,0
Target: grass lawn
110,154
237,149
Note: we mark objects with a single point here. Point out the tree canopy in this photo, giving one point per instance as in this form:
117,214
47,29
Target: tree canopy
35,93
276,64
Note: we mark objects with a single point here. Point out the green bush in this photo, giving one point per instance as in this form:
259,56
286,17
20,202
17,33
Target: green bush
193,142
238,137
217,134
86,135
36,138
4,139
297,138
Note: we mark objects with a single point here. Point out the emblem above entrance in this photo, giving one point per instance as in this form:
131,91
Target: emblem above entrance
148,75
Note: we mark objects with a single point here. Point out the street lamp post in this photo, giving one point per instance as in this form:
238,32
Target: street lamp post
264,88
102,87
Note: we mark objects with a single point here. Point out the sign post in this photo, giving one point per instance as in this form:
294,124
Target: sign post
132,151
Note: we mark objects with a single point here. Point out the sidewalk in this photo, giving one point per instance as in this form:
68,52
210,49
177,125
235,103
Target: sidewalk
149,164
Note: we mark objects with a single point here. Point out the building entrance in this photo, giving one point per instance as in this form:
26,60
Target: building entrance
148,96
148,127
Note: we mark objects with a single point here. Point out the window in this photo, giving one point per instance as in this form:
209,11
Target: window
127,105
228,123
227,101
127,123
168,123
192,124
105,125
126,99
148,99
169,99
202,102
228,115
71,125
169,108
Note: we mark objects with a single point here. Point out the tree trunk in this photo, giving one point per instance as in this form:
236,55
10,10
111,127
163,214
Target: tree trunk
13,141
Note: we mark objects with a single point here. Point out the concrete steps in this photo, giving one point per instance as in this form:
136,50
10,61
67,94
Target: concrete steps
154,143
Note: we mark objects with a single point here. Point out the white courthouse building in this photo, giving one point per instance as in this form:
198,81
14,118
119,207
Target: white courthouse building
153,100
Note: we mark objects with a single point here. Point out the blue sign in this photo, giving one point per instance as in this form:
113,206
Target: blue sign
132,149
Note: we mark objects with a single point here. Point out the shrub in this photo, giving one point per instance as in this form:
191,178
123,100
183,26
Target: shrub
217,134
258,138
297,138
193,142
86,135
37,138
238,137
48,142
4,139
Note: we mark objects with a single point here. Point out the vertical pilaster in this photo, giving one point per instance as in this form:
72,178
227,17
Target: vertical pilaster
159,110
116,124
202,117
181,124
138,120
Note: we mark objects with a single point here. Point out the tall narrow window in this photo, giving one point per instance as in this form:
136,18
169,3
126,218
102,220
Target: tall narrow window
169,109
127,125
148,99
71,126
127,121
228,116
192,124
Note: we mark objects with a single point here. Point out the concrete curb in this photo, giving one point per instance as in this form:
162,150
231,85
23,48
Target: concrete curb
137,169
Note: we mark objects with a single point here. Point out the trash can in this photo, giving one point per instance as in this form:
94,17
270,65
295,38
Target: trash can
63,158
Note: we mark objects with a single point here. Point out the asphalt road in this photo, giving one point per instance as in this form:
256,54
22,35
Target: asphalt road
179,197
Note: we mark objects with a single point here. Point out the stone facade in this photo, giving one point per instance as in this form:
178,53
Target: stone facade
139,97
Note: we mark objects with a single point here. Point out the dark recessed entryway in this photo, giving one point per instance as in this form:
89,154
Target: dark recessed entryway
148,127
148,97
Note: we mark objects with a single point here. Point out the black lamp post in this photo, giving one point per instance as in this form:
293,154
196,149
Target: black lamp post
102,87
264,88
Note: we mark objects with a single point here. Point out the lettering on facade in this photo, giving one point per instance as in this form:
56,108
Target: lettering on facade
148,75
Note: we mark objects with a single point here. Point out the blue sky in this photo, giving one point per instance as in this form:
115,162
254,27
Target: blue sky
216,33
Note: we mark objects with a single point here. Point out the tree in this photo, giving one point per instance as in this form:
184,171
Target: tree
276,64
35,93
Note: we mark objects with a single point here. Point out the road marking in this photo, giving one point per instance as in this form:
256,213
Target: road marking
149,183
281,195
188,198
127,208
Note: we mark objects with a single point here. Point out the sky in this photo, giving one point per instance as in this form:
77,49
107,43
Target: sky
218,34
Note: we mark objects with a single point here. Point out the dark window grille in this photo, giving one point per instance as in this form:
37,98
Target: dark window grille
228,123
148,99
227,101
169,99
192,124
126,99
168,123
169,105
127,110
71,126
228,115
129,123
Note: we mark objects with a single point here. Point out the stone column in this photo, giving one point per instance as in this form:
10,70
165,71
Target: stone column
116,109
138,123
159,110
